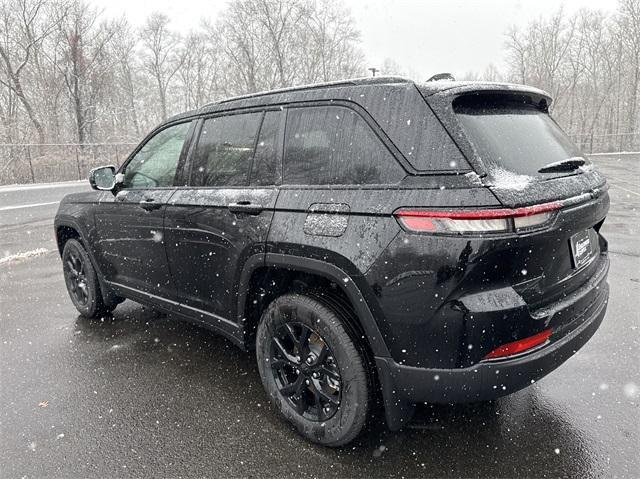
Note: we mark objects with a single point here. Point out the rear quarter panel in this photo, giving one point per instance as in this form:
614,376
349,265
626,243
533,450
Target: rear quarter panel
372,249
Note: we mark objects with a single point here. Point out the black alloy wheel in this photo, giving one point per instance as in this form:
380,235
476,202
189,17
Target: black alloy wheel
74,269
312,368
82,282
306,371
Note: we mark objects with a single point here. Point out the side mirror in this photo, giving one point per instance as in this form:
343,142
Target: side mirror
103,178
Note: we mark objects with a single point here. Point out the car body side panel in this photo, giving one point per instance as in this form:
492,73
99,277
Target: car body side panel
129,240
207,244
368,230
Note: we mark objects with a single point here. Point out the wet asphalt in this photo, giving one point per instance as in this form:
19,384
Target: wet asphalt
141,394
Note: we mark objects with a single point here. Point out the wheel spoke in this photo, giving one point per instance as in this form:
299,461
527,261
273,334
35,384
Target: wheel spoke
316,397
302,373
294,387
323,354
291,332
283,352
300,405
71,268
329,398
330,373
303,341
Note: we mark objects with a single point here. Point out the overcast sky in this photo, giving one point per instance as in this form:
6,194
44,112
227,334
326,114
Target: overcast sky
424,37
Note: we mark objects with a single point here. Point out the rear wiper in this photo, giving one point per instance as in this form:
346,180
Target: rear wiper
564,165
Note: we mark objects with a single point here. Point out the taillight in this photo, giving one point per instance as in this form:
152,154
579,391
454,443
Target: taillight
520,346
477,221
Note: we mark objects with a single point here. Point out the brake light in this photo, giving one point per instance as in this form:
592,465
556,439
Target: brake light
477,221
520,346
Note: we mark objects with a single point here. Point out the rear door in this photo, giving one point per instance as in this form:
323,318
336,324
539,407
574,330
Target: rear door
129,225
221,219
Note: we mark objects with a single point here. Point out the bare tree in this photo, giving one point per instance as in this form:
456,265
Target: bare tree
126,65
629,20
84,62
198,78
24,27
161,56
589,63
335,41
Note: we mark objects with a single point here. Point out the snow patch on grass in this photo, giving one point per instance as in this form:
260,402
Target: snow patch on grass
24,255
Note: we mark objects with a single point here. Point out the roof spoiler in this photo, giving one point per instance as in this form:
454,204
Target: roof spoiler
442,76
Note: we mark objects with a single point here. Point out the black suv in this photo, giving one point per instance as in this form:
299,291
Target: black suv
375,238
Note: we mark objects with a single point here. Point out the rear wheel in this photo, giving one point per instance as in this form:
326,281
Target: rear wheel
82,281
311,369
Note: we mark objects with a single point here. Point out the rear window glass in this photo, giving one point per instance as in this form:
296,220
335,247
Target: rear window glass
333,145
513,135
224,151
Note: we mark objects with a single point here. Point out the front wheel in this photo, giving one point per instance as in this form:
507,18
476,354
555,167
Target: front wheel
82,283
311,369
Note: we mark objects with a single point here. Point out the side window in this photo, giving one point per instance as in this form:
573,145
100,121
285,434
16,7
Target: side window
155,164
266,170
224,151
334,145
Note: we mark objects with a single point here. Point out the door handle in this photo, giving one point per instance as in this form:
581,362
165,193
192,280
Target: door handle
245,207
149,204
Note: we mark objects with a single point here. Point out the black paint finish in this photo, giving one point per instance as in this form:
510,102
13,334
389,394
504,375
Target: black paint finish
427,305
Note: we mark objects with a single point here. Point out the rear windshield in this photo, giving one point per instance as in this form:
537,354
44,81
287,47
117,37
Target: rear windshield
514,135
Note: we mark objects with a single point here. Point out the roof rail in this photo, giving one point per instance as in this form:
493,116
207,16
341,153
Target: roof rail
315,86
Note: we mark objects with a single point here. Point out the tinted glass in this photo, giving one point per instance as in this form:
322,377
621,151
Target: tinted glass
334,145
514,136
405,116
224,151
265,169
155,164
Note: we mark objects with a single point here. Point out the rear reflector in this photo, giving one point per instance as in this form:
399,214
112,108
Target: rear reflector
477,221
520,346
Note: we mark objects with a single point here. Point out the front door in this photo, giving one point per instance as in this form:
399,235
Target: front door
214,225
129,226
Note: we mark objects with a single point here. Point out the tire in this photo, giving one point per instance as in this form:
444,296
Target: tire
333,406
82,283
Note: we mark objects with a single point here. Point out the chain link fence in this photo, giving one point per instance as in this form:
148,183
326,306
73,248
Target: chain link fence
607,142
44,163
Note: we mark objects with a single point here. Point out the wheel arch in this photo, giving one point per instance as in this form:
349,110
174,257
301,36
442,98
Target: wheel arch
64,233
66,229
261,269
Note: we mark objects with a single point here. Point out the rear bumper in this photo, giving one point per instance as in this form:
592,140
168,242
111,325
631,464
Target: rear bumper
403,386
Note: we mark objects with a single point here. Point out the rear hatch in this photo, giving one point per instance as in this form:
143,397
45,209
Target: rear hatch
526,160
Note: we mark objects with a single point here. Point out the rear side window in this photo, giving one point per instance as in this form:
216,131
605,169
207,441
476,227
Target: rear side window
266,170
513,134
333,145
224,151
